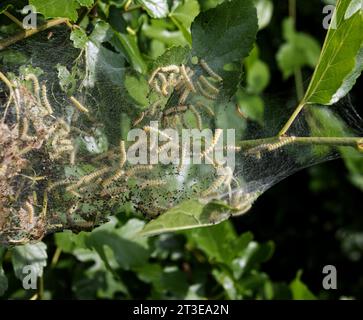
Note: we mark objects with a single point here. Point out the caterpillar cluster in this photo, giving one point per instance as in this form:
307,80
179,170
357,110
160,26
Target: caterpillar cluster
180,80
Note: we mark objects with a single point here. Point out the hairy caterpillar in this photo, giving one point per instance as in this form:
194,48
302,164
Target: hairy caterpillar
188,81
180,84
207,108
152,183
110,191
139,119
88,178
45,100
184,96
164,84
118,174
204,93
138,169
36,87
177,109
30,211
209,70
224,179
171,68
214,186
123,154
284,141
156,86
78,105
197,116
153,75
154,107
54,185
204,81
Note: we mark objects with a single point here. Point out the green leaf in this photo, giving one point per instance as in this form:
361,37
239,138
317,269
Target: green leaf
127,44
251,257
86,3
299,290
30,254
174,55
186,12
341,59
57,8
187,215
123,246
251,105
300,50
155,8
184,15
138,89
79,38
160,32
258,77
216,241
224,35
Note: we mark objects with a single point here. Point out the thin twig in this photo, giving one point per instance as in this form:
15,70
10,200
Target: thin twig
28,33
14,19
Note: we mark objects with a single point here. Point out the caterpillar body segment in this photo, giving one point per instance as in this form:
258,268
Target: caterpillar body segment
207,108
210,71
139,119
34,79
118,175
78,105
204,93
164,84
284,141
45,101
209,86
188,81
138,169
184,96
175,110
152,183
197,116
153,75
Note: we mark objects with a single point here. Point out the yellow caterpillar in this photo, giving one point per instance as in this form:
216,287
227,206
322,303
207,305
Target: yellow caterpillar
204,93
78,105
208,85
197,116
45,100
188,81
209,70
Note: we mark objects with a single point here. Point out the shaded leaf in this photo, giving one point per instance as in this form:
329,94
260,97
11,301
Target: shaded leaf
299,290
29,254
187,215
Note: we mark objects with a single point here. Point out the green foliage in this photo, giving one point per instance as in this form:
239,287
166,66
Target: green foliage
341,60
299,50
212,261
